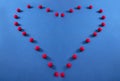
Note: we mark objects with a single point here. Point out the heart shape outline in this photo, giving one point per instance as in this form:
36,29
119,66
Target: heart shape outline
45,56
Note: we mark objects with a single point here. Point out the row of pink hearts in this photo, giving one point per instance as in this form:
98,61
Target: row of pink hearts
71,10
45,56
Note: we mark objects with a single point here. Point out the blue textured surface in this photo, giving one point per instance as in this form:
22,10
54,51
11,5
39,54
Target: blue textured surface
59,38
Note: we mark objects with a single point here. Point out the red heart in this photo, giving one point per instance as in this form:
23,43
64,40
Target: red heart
71,10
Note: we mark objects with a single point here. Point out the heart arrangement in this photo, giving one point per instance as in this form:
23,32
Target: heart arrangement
57,14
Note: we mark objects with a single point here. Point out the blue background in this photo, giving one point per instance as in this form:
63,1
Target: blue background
59,38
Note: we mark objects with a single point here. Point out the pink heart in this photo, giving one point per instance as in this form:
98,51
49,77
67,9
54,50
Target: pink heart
49,10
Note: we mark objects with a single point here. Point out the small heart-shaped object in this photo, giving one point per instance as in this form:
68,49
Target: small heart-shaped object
37,48
68,65
74,56
71,10
90,7
103,17
40,6
100,10
62,14
48,10
99,29
103,24
16,16
31,39
44,56
87,40
24,33
94,34
82,48
18,10
62,74
56,14
28,6
78,7
50,64
56,74
16,23
19,28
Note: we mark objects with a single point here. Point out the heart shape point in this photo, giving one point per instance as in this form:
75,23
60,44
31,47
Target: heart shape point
19,28
44,56
74,56
37,47
68,65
